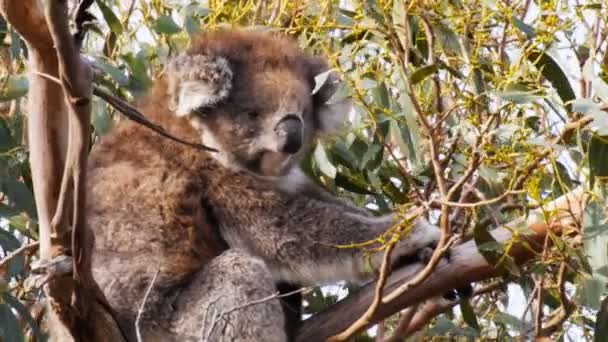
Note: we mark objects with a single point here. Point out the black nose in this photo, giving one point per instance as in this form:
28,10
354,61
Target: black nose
289,134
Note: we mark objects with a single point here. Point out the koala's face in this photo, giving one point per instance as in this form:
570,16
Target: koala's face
250,97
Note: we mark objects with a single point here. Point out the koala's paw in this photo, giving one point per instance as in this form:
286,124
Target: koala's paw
462,293
425,254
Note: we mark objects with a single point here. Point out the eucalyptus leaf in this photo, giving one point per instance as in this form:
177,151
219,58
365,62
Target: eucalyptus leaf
422,73
601,323
589,292
116,74
597,154
523,27
380,95
468,315
320,157
14,88
352,184
8,243
6,139
510,320
24,313
19,195
10,331
320,80
110,18
554,74
165,24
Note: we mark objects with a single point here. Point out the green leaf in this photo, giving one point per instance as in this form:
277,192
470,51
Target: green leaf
352,184
320,80
380,95
323,162
598,84
510,320
593,110
110,17
589,293
597,154
372,157
518,96
16,45
192,26
6,139
523,27
139,79
422,73
10,331
8,243
116,74
194,9
14,88
414,137
101,118
448,39
165,24
601,323
468,315
442,326
595,241
23,313
487,246
19,195
3,29
343,156
554,74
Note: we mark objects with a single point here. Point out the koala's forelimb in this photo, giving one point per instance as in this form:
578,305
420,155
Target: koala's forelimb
315,252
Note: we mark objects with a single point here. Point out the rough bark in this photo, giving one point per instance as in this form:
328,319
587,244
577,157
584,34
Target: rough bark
76,311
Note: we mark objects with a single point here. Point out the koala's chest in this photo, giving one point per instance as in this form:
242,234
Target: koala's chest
246,212
150,212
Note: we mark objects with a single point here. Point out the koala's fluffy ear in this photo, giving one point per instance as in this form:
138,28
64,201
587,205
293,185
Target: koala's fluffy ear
197,81
331,115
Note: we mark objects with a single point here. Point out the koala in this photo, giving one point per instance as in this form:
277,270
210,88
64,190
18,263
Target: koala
194,244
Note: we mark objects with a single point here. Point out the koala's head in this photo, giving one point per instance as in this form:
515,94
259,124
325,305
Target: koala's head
250,96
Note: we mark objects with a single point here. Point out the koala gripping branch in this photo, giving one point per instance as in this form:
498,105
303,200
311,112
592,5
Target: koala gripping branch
471,267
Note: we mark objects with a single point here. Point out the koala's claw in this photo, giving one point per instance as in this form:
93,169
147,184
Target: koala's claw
425,254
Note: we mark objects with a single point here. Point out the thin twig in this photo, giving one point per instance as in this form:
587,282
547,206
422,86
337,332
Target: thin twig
23,249
539,294
364,320
484,202
404,322
559,316
133,114
424,273
227,312
428,311
140,311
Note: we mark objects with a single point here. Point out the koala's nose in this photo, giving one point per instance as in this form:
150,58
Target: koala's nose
289,134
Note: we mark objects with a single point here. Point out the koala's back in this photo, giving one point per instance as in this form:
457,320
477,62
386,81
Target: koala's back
145,209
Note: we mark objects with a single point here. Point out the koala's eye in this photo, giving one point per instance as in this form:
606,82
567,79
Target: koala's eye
201,111
253,114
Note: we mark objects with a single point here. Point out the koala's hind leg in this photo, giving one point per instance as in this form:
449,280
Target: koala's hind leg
230,300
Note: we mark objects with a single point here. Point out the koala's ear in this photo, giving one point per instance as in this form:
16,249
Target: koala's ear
197,81
331,114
